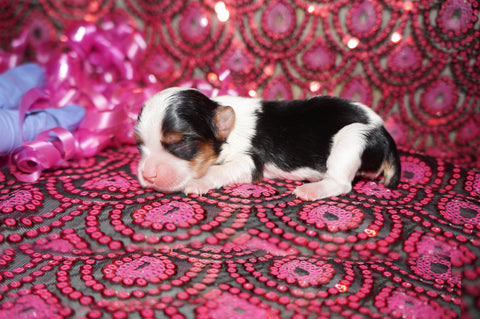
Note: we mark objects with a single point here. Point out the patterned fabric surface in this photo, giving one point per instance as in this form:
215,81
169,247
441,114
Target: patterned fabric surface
415,62
87,241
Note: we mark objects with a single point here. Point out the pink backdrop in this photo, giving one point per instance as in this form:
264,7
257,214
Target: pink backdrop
415,62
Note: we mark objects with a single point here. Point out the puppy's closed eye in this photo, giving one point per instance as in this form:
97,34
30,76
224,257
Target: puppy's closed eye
181,145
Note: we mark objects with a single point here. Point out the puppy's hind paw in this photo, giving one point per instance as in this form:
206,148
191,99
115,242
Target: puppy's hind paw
325,188
307,193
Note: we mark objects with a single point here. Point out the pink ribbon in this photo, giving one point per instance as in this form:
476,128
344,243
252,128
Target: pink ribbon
49,150
97,66
28,102
52,147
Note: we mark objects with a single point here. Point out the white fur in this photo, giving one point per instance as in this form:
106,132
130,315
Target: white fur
150,133
237,171
300,174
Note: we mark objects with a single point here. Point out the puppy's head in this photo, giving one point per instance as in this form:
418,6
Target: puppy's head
180,133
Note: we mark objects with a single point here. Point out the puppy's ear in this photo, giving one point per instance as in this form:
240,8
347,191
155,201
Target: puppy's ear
224,121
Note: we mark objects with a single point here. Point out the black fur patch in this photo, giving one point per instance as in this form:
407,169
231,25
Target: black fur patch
376,150
296,134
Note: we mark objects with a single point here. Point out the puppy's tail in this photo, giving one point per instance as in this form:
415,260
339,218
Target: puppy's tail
391,166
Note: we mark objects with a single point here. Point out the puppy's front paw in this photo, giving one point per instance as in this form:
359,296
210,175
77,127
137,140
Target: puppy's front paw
198,187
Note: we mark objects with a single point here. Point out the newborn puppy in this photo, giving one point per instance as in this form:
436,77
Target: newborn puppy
191,143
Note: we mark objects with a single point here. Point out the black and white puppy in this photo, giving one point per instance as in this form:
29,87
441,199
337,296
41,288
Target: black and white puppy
192,143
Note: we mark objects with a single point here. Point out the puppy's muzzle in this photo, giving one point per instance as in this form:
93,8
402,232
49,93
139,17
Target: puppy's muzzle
163,177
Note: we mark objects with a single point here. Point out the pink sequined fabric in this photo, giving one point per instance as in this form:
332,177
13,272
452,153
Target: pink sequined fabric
86,241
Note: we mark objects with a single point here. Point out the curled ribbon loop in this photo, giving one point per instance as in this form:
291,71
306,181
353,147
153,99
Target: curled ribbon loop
50,149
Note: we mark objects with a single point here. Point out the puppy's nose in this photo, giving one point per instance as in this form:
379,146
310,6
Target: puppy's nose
163,176
149,172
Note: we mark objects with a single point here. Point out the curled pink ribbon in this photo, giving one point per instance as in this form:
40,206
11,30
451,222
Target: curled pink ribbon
49,150
28,102
97,66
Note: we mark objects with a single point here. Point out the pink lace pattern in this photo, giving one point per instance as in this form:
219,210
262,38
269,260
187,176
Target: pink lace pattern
86,241
93,244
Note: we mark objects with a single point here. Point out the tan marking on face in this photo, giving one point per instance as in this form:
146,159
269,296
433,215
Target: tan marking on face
201,163
138,139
